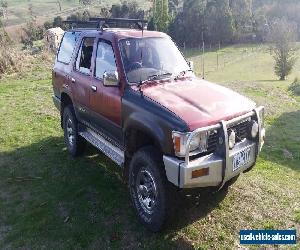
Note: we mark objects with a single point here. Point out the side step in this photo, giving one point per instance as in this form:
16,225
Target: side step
111,151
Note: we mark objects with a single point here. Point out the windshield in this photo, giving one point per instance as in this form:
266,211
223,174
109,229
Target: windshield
147,58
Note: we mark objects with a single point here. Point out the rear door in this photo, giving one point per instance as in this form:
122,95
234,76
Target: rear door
105,101
81,78
62,67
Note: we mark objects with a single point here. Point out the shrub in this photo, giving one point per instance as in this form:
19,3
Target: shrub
32,32
283,39
295,87
12,58
7,61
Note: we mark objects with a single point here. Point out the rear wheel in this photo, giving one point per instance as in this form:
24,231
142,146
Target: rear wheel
149,188
75,143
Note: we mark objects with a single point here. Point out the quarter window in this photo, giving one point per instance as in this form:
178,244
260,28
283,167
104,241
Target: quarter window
105,59
84,58
67,47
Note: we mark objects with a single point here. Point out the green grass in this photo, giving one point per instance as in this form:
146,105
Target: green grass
49,200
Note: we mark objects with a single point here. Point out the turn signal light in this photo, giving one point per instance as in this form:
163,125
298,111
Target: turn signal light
177,144
199,173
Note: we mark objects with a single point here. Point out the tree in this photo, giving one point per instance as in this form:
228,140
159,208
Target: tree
78,16
104,12
48,25
173,7
161,17
219,21
193,21
58,22
282,37
242,14
284,9
86,15
4,37
127,10
4,6
32,31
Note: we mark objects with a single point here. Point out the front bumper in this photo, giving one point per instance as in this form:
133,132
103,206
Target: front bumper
218,166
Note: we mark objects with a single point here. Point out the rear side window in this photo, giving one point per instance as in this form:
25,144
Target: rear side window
84,58
67,47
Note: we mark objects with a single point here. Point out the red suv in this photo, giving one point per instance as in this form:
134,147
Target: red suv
131,93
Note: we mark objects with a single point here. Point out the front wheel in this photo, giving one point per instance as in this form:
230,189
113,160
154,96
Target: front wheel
148,188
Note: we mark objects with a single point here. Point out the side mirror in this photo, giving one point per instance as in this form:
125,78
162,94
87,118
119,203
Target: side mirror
191,64
111,78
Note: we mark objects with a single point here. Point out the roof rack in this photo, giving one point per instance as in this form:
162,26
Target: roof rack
101,23
82,24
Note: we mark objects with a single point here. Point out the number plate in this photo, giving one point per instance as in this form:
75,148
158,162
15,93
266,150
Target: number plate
241,159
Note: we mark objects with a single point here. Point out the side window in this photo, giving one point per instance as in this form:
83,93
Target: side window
67,47
84,57
105,59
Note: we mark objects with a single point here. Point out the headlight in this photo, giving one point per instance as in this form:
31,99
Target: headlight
198,143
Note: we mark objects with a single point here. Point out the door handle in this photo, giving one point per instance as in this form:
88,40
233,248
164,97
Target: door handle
73,80
94,88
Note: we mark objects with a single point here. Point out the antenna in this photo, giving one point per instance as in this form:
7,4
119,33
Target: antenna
203,52
142,48
140,85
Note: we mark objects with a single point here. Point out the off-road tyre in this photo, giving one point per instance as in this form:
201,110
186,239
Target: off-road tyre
147,178
74,142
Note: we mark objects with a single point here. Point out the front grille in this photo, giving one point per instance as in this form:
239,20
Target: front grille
241,130
212,142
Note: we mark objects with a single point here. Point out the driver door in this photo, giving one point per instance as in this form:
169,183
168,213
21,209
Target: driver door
105,101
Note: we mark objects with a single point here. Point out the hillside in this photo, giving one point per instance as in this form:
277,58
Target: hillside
18,11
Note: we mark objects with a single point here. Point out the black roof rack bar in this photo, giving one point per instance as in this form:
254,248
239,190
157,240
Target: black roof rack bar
86,24
141,24
100,23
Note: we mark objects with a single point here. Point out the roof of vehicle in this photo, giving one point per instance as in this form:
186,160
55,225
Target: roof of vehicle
123,32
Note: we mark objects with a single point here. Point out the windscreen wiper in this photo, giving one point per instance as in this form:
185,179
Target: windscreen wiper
155,77
182,73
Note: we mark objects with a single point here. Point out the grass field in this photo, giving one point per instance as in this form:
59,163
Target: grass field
49,200
18,10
